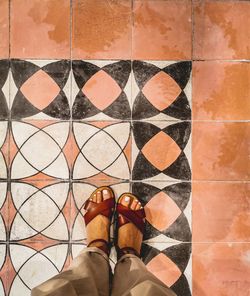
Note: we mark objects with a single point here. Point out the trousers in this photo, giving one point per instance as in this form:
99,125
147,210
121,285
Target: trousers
90,275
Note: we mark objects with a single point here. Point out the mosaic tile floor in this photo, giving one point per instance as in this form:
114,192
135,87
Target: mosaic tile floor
123,93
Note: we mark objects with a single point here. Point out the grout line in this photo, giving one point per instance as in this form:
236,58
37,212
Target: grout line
127,181
116,59
131,92
192,30
86,120
9,7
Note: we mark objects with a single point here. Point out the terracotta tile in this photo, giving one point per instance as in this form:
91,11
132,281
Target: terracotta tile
4,29
40,29
164,269
155,151
220,151
161,211
221,30
162,30
221,269
101,29
221,90
221,211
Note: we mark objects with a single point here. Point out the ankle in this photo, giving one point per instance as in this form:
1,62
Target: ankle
100,245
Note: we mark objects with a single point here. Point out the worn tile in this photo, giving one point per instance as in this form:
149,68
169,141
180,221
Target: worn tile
40,89
171,264
161,150
4,89
4,153
221,212
161,30
4,270
101,89
161,90
221,90
4,29
34,258
168,210
94,140
40,29
221,30
101,29
221,269
220,150
3,212
39,211
38,149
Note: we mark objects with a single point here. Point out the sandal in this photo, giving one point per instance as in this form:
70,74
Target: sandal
105,208
129,216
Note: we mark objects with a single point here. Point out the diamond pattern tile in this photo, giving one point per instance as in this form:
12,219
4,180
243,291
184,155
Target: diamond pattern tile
70,133
130,100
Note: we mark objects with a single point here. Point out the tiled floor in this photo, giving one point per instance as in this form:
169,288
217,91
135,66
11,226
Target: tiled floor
150,96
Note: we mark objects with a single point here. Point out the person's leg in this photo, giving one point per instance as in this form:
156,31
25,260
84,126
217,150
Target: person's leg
89,273
131,276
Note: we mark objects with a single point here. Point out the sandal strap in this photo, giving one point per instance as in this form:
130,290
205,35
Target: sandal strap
123,251
135,217
94,209
107,244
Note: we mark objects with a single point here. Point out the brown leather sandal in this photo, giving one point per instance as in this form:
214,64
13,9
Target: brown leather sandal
129,216
105,208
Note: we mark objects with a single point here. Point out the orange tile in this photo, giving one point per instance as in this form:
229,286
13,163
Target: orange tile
221,90
40,29
101,29
162,30
221,269
221,151
4,29
101,89
161,211
221,211
221,30
40,89
161,150
164,269
161,90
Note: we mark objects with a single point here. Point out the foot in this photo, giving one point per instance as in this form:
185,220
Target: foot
98,227
129,236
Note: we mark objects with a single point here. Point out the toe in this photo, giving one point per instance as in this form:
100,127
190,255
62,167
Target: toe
125,200
138,206
98,196
134,204
93,198
106,194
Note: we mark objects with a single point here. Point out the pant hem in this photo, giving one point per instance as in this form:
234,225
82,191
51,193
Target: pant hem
95,250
